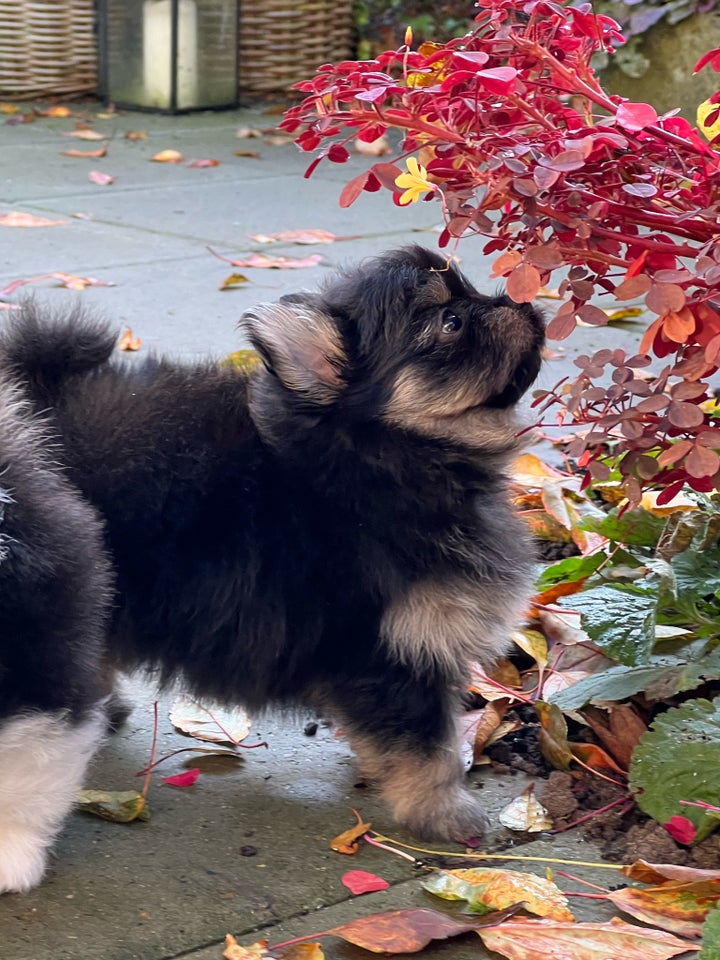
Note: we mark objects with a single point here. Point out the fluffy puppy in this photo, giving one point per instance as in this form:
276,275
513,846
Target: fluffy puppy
55,591
332,528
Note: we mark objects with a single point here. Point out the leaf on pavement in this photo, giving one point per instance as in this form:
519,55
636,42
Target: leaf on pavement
207,162
525,814
295,236
495,889
527,939
128,342
233,280
263,261
409,930
347,841
210,723
16,219
101,178
360,881
657,873
68,280
100,152
85,133
186,779
168,156
234,951
680,908
119,806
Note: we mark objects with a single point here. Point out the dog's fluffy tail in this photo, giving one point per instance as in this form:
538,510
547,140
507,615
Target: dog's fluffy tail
44,348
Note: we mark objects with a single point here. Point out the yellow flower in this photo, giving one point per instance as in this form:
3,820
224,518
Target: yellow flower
709,130
415,182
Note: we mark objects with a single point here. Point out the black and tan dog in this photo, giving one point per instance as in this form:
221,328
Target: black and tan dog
331,529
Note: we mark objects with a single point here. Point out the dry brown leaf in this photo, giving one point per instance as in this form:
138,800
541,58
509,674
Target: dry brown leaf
245,133
15,219
168,156
136,135
128,342
234,280
213,724
618,729
85,133
657,873
263,261
681,908
295,236
528,939
209,162
247,153
56,111
233,950
347,841
526,814
92,154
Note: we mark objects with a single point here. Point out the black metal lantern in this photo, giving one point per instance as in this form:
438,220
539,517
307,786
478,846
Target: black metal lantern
169,55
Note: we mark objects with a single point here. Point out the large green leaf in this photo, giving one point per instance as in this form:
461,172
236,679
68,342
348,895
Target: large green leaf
637,528
659,679
679,759
620,620
711,937
569,570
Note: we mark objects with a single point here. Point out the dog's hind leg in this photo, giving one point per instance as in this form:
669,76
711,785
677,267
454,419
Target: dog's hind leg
43,757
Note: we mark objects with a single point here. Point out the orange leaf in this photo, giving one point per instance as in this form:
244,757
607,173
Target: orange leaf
203,163
84,133
657,873
595,757
296,236
408,931
521,939
263,261
678,907
128,342
168,156
678,326
505,263
72,152
15,219
347,841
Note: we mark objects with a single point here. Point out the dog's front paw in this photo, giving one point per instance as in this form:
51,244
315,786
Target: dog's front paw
455,816
23,856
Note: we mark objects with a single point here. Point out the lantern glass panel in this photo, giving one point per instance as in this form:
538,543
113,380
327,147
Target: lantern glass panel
170,54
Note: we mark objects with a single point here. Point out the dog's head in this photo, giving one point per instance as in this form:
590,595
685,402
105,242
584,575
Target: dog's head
402,338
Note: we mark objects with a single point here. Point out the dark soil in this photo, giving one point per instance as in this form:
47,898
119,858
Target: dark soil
624,832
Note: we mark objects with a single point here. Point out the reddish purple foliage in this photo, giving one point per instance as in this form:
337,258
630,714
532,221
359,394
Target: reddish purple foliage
529,152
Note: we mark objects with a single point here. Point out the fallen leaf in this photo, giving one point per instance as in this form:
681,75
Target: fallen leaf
553,735
84,133
525,814
497,889
128,342
9,108
245,133
56,111
521,938
64,279
168,156
277,141
211,724
186,779
204,163
594,757
247,153
134,135
263,261
360,881
296,236
347,841
234,280
119,806
102,179
299,951
233,950
681,908
91,154
409,930
15,219
657,873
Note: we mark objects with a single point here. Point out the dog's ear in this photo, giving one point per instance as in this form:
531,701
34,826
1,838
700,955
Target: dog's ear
300,344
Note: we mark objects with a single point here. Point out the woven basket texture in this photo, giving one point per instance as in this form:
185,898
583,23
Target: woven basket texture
283,41
47,48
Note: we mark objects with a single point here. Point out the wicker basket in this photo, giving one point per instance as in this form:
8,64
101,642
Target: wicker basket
283,41
47,48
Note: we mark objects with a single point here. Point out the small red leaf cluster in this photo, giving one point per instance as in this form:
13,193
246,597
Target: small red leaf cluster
528,153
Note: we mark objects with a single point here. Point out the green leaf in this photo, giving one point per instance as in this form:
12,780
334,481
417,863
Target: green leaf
697,574
679,759
569,570
638,528
658,679
711,937
119,806
620,620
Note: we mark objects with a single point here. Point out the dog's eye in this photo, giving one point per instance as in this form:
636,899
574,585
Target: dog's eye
450,323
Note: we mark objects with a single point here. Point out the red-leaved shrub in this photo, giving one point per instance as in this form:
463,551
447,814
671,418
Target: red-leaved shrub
517,139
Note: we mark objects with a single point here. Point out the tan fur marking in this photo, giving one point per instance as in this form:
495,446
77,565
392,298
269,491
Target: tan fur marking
452,624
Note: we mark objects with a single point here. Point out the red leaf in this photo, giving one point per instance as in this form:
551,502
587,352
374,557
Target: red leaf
712,57
680,828
635,116
209,162
186,779
499,79
523,284
360,881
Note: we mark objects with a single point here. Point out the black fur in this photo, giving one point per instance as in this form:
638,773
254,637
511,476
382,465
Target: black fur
273,532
